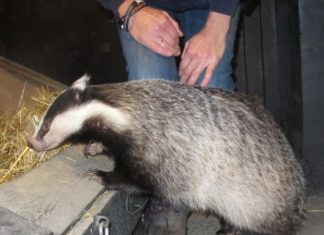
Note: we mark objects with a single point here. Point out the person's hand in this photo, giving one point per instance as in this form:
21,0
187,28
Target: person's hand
156,30
204,50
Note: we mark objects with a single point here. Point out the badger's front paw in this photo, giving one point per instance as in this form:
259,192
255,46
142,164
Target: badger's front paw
110,179
93,148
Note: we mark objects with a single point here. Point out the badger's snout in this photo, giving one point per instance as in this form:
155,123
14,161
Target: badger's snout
29,144
37,144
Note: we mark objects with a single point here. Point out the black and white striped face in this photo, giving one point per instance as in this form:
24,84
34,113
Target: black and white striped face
68,114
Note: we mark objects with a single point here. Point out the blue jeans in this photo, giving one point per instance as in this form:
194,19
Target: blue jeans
142,63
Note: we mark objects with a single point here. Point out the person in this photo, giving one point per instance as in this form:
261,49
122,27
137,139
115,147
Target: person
152,43
187,40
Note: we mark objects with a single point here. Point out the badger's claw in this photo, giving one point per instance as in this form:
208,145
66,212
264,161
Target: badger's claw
92,175
107,178
93,148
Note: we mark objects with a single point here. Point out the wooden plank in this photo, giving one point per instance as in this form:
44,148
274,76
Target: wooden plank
253,54
22,226
16,80
270,58
24,74
56,193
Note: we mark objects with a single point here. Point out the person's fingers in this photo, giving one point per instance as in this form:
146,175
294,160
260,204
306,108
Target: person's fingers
208,74
194,61
195,73
169,31
159,46
166,40
184,60
190,73
155,29
191,63
175,24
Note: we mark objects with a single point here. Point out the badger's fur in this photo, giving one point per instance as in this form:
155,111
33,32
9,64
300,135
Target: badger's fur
207,149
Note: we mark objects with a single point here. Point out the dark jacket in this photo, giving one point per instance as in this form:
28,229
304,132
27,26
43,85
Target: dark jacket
221,6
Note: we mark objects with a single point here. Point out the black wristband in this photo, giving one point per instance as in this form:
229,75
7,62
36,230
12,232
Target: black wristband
133,8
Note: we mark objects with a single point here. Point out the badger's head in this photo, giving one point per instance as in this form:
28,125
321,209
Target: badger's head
70,113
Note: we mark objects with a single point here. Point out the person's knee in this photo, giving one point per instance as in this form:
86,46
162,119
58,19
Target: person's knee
152,68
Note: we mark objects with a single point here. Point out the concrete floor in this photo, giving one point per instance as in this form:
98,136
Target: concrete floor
200,224
208,224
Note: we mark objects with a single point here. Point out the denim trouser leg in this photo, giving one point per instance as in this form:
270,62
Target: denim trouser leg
142,63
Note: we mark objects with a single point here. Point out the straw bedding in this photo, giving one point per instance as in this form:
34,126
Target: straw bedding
15,157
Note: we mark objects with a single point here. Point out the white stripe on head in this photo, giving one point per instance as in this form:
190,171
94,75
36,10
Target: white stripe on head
81,83
70,122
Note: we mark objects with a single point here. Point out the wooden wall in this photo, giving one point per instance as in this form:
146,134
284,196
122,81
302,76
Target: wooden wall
280,59
267,62
311,20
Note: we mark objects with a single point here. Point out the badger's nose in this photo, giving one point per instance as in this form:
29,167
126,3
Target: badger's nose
36,144
29,144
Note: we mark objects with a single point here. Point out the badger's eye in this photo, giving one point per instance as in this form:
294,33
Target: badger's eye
46,125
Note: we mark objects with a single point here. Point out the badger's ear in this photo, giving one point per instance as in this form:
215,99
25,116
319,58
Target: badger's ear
79,86
81,83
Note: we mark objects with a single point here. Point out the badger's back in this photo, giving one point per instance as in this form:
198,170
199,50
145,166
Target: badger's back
211,150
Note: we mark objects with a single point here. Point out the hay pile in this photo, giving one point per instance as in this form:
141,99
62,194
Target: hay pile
15,157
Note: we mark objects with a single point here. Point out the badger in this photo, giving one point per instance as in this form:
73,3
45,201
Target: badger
206,149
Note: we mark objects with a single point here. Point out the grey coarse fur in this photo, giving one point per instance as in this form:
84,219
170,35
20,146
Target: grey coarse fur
210,150
213,150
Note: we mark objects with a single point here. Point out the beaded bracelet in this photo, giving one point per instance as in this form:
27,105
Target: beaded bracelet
133,8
